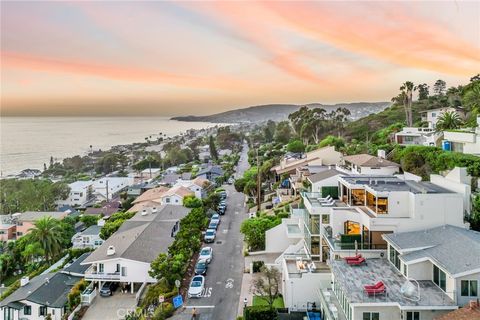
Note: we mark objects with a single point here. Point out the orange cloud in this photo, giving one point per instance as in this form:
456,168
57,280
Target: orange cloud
114,72
397,38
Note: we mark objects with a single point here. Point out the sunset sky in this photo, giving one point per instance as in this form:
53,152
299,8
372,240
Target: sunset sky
171,58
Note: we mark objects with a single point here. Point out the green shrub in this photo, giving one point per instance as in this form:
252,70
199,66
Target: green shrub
259,313
163,311
257,265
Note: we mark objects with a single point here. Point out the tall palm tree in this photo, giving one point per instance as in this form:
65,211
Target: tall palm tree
48,233
449,120
407,93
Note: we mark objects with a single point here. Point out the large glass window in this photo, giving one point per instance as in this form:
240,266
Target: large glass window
358,197
27,310
413,315
371,316
439,278
469,288
394,258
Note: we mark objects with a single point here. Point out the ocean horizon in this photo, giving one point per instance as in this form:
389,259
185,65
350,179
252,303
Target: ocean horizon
29,142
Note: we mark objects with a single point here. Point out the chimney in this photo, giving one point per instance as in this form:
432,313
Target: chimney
381,154
24,281
110,251
144,212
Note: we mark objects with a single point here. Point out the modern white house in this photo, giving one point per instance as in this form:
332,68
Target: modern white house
88,238
369,165
418,136
368,207
431,116
463,141
125,257
425,273
326,182
175,195
104,189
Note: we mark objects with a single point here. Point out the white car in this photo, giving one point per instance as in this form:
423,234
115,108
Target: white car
209,235
206,254
196,287
215,218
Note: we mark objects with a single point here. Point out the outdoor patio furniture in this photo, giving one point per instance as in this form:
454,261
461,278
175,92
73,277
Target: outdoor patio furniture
357,262
326,199
328,203
377,285
374,291
358,256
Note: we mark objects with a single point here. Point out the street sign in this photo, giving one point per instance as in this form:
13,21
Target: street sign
161,299
177,283
177,301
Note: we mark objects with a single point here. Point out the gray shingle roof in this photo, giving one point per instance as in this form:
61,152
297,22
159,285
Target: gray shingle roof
455,249
52,293
91,231
366,160
76,268
142,237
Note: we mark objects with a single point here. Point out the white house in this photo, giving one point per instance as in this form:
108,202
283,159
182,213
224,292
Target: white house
369,165
326,182
197,185
464,141
125,257
431,116
88,238
80,193
418,136
106,188
175,195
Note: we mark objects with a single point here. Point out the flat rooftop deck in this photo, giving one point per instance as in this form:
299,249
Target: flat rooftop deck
352,279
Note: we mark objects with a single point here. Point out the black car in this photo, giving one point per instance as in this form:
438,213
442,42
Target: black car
201,267
108,289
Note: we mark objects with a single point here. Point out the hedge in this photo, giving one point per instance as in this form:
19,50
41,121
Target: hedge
259,313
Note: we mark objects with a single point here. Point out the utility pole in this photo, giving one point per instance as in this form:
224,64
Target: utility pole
107,188
259,196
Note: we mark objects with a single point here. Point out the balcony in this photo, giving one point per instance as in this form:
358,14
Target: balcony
330,305
347,242
315,200
92,274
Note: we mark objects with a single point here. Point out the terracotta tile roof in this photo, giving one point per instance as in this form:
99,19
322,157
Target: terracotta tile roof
178,190
151,194
145,204
366,160
199,181
468,312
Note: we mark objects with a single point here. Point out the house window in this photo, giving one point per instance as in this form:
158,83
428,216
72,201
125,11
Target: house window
469,288
413,315
100,268
434,114
167,200
439,278
394,258
371,316
42,311
19,234
27,310
118,268
124,271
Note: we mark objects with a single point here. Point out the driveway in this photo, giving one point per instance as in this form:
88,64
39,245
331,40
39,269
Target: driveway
111,308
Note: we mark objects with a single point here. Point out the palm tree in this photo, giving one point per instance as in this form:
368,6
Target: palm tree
48,233
407,93
449,120
32,251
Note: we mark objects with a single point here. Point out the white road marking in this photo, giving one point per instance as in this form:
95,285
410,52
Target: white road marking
229,284
236,212
219,282
207,292
199,307
225,231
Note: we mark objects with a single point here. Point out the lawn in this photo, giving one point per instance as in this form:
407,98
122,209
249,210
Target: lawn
278,303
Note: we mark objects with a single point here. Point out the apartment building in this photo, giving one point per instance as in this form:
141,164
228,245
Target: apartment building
26,220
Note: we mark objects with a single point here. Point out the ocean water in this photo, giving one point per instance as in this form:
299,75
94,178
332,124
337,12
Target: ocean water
28,142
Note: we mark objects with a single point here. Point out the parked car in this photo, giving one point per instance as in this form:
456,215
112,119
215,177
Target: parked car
210,235
213,225
221,210
215,218
206,254
201,267
231,180
108,289
196,287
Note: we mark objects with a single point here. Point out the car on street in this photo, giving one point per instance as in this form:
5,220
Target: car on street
196,287
209,235
201,267
231,180
221,210
206,254
213,225
215,218
108,289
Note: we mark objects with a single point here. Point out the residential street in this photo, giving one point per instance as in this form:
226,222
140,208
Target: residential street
224,275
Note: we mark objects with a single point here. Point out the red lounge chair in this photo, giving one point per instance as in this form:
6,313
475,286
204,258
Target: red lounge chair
371,292
375,286
357,262
358,256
